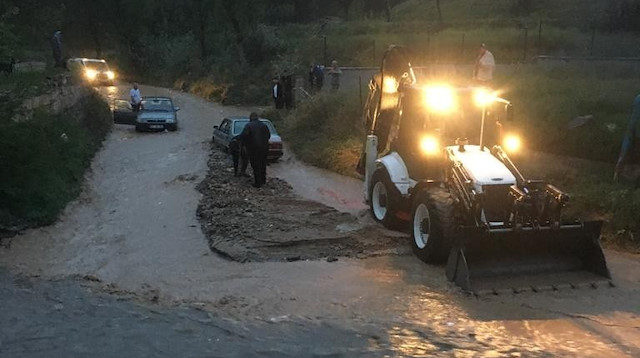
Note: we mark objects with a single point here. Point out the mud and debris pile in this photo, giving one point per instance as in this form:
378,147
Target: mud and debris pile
272,223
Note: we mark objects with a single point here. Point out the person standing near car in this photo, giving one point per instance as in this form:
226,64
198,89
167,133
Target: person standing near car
239,156
255,136
136,97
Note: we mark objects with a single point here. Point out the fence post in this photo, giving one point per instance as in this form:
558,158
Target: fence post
593,40
360,87
539,47
324,47
373,45
462,54
526,39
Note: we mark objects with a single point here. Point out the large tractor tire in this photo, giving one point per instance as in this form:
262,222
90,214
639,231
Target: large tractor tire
384,200
432,225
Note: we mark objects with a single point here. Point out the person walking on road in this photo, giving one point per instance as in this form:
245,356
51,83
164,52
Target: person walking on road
335,72
136,97
629,139
483,70
255,136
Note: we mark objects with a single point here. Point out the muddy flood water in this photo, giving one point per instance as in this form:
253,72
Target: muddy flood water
129,269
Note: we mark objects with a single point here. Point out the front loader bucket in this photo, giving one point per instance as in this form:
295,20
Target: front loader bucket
529,258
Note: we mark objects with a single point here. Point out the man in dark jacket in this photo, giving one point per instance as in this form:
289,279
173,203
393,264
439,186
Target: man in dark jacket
255,136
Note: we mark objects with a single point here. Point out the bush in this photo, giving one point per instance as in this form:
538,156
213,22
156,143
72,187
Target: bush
44,161
326,132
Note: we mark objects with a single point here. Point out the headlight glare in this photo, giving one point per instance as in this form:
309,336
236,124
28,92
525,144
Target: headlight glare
429,145
440,99
483,97
91,74
512,143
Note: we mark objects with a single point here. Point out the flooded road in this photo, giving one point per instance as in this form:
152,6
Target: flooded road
135,231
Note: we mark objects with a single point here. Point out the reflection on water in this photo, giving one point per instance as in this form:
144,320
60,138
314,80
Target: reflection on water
433,325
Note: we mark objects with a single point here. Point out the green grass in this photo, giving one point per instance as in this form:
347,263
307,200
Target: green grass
325,132
44,160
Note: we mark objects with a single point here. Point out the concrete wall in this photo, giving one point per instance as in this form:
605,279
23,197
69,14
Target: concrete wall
62,96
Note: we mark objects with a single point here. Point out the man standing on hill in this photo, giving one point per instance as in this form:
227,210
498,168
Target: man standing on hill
483,70
255,136
335,72
56,47
629,139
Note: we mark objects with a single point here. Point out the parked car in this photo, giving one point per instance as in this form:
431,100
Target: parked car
92,70
233,126
156,113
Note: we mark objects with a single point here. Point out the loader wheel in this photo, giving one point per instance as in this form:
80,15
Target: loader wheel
384,200
433,225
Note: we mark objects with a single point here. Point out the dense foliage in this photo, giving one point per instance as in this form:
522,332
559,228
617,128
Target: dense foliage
236,46
44,160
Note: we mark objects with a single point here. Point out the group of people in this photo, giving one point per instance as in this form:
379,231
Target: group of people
316,76
252,144
282,91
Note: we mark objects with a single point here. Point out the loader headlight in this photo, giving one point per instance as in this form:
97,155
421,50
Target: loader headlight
440,99
483,97
91,74
429,145
512,143
389,85
111,75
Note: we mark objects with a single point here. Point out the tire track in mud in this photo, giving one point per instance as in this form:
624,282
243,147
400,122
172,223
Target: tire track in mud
272,223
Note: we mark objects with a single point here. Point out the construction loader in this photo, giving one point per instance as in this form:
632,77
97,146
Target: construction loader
435,165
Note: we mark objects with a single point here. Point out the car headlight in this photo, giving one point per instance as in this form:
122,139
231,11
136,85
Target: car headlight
512,143
91,74
483,97
440,99
111,75
429,145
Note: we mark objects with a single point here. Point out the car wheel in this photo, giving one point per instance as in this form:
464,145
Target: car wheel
432,225
138,128
384,200
172,127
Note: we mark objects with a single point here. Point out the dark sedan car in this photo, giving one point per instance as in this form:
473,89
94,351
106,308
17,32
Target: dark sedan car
156,113
233,126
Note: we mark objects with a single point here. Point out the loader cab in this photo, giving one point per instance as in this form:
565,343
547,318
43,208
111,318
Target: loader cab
415,124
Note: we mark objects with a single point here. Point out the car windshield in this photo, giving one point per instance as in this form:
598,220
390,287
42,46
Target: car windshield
238,126
157,105
96,65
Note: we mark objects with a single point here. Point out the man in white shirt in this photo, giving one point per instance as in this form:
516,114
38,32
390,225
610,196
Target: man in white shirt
136,98
485,63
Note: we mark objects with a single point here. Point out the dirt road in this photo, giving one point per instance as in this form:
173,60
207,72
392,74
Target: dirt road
135,229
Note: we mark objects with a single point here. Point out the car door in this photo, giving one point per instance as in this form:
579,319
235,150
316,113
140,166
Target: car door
218,132
123,113
225,132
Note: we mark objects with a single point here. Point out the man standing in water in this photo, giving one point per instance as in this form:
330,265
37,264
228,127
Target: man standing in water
255,136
